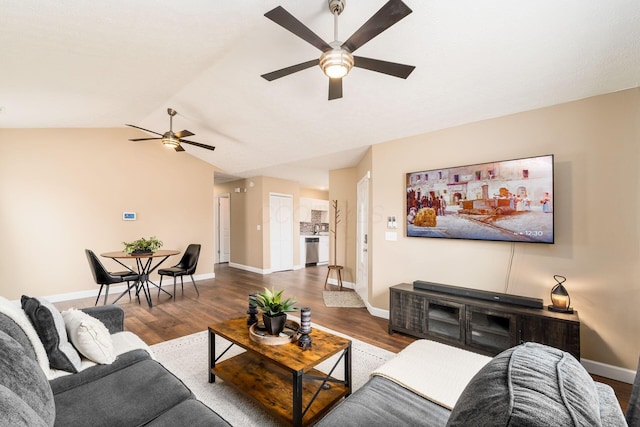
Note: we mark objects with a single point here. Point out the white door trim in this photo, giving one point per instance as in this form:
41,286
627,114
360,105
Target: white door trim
362,239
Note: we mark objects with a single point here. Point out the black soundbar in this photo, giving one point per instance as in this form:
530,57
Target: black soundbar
477,293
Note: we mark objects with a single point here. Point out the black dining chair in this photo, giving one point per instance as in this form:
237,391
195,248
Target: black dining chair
187,265
104,278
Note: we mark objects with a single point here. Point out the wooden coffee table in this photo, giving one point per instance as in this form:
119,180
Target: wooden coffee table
282,378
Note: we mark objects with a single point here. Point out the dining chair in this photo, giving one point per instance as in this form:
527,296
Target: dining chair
186,266
103,277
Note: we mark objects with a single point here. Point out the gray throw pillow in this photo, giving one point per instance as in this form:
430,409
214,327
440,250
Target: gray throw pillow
49,324
25,394
529,385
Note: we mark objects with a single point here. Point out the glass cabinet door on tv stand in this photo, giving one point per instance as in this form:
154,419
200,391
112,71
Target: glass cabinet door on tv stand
490,330
445,318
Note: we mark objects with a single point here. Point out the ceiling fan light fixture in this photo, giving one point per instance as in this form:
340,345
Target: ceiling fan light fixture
169,140
336,63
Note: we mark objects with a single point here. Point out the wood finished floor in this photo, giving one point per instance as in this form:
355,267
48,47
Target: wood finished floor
226,297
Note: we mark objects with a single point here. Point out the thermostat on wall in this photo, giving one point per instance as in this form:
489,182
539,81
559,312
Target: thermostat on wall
129,216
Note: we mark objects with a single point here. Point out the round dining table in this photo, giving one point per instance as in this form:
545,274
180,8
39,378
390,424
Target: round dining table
144,267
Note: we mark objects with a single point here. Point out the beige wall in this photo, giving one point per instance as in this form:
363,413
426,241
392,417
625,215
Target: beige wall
342,188
596,143
64,190
312,193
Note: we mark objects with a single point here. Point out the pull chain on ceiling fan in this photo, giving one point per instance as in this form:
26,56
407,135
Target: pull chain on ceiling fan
171,139
337,58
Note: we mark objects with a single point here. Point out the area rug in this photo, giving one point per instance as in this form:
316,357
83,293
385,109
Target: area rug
187,358
347,299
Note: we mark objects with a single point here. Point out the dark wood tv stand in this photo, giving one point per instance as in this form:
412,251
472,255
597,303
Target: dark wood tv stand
477,325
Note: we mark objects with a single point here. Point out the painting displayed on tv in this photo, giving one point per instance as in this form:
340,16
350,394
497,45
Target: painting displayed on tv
509,200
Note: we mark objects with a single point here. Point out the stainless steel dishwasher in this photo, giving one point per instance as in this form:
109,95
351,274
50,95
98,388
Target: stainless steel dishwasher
311,244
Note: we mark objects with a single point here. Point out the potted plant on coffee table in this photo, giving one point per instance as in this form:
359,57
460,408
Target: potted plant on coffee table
274,309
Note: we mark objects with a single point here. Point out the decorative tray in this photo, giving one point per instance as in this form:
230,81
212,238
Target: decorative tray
258,334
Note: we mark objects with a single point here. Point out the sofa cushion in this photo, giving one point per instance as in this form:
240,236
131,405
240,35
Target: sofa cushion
69,381
192,413
17,325
89,336
49,324
25,395
383,403
531,384
131,396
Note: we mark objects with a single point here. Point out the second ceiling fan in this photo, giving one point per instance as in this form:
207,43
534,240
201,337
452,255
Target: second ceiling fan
170,138
337,57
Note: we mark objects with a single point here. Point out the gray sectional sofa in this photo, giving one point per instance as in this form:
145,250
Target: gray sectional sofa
134,390
527,385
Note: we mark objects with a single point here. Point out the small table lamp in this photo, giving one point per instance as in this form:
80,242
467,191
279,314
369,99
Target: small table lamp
560,300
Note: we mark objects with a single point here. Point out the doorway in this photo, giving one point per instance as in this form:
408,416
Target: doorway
362,230
281,231
223,229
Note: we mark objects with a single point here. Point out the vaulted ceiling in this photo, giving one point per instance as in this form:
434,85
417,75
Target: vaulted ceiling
80,64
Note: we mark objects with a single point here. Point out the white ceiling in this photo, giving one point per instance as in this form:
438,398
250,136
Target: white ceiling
81,64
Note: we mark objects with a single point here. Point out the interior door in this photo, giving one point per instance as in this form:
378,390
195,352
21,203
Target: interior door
281,231
362,249
224,229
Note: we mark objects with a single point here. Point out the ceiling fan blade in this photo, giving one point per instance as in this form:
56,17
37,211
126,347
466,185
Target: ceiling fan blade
179,148
143,139
335,88
390,68
146,130
197,144
287,21
290,70
183,133
392,12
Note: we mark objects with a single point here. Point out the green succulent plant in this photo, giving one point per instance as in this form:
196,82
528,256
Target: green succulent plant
271,302
151,244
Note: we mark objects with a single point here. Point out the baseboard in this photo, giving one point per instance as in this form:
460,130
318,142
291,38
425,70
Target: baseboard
113,290
248,268
347,285
595,368
378,312
609,371
259,270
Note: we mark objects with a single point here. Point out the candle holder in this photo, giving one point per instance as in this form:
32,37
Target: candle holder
252,311
304,341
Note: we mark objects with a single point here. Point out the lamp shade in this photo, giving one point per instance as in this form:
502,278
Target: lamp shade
560,300
169,140
336,63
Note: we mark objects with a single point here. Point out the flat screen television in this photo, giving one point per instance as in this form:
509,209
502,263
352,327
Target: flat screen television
508,200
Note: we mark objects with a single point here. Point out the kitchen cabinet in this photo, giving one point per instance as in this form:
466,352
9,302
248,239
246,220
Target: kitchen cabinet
303,251
306,205
323,250
304,208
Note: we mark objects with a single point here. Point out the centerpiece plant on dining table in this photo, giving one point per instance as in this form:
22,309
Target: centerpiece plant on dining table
143,246
274,309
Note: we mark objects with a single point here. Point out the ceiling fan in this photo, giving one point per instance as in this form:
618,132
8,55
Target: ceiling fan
337,57
172,139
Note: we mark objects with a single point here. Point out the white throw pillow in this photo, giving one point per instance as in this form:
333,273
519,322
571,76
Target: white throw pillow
89,336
